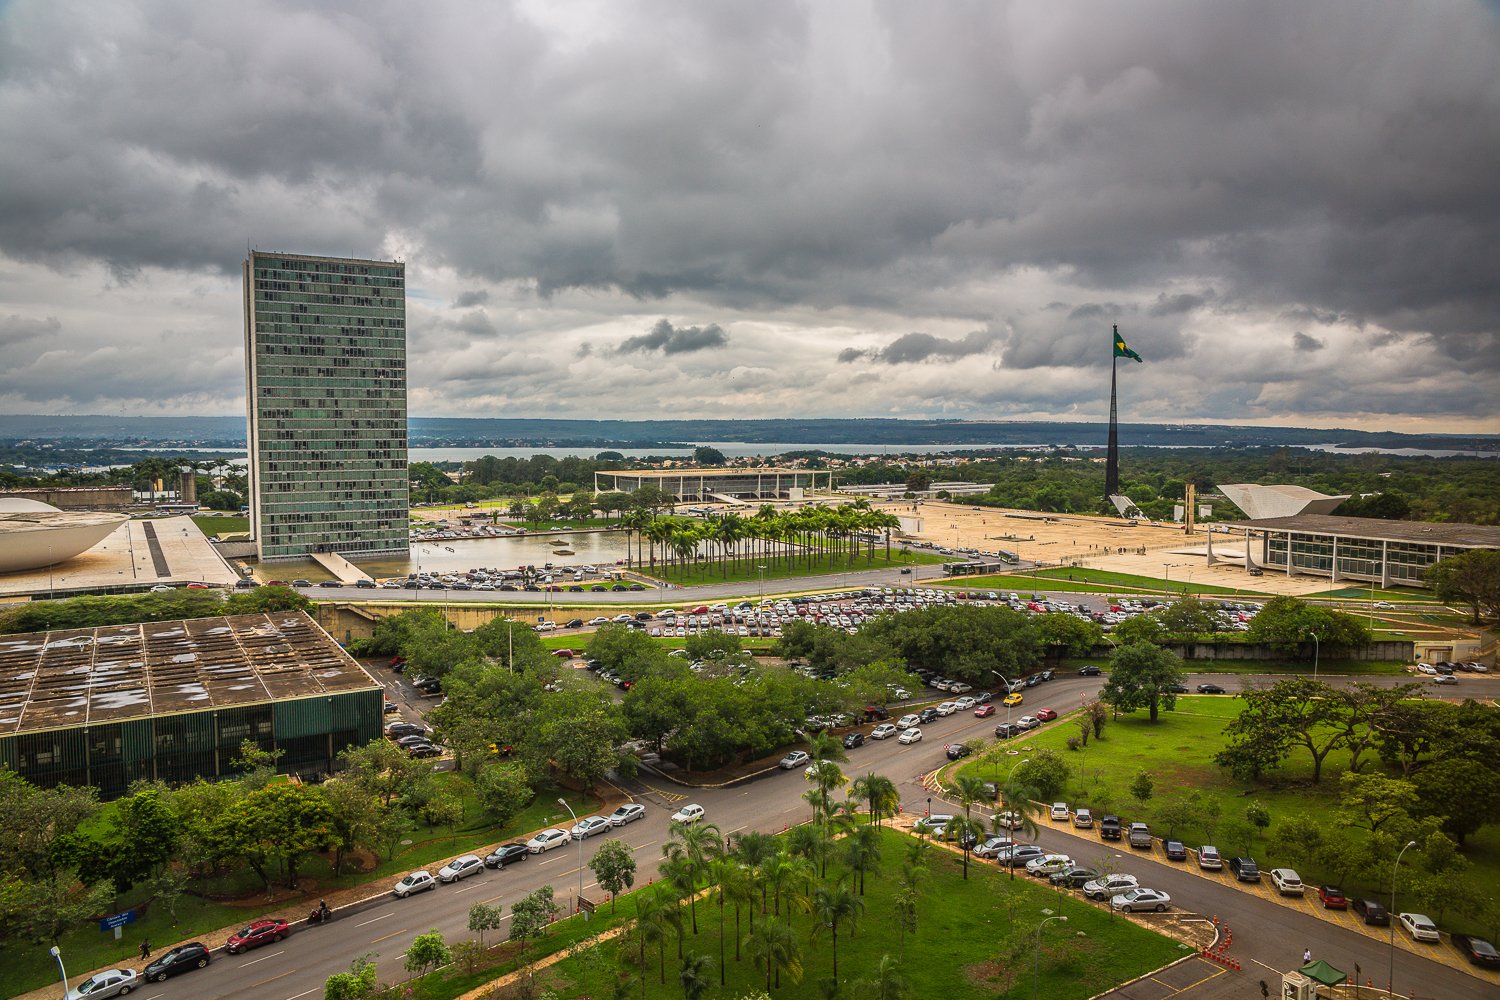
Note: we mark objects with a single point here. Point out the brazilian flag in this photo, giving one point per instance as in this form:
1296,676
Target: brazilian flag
1121,351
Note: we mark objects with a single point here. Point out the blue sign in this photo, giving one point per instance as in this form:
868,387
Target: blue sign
109,923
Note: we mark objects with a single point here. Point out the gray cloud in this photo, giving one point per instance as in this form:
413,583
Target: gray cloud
15,329
472,297
1171,305
675,340
1302,342
915,347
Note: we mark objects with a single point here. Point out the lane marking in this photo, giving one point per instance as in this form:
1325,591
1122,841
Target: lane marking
373,919
299,996
273,979
261,959
388,936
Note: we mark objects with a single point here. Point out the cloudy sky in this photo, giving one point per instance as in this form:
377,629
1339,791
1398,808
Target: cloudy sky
750,209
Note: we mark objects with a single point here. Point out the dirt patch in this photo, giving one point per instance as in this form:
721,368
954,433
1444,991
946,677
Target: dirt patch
991,975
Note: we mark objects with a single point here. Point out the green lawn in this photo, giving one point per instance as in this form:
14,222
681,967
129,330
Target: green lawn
89,948
1108,578
1178,753
753,570
974,939
221,524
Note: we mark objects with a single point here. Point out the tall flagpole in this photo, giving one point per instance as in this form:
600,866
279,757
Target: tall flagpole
1112,457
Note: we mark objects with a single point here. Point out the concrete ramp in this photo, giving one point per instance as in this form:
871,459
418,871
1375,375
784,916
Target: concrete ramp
733,501
343,569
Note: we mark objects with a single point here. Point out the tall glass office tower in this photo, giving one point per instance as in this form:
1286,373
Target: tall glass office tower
325,354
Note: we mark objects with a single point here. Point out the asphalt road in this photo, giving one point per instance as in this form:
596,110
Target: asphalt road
1265,931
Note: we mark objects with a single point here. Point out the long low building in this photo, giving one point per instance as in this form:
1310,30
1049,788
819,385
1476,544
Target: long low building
718,485
174,701
1367,549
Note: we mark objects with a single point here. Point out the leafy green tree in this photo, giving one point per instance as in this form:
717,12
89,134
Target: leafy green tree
278,824
613,865
355,814
704,455
1462,793
576,735
483,917
887,982
1044,776
1190,616
359,983
1470,578
383,769
1141,787
1287,626
1142,676
879,794
530,915
713,644
1295,712
503,790
1258,816
774,949
1073,635
427,951
1141,628
694,976
1370,801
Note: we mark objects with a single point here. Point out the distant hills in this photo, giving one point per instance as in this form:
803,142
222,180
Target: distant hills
229,432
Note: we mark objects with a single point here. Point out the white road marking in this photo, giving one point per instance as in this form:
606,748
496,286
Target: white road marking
466,888
373,919
297,997
390,935
261,959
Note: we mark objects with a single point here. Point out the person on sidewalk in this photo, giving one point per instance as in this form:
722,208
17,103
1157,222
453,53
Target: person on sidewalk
145,949
1306,956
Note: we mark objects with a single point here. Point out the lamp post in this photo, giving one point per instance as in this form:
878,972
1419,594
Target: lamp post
1168,568
1036,967
762,570
564,803
57,954
1390,971
1007,697
1316,645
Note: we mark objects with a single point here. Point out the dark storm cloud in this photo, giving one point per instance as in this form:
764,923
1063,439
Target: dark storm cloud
1192,171
675,340
1302,342
15,329
915,347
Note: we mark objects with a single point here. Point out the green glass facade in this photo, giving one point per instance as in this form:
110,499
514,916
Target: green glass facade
325,351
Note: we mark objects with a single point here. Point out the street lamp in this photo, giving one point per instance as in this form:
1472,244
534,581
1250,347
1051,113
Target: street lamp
57,954
1316,644
762,571
564,803
1036,968
1390,971
1007,697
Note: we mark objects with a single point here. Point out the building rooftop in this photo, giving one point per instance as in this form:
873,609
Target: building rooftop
1479,536
52,680
728,470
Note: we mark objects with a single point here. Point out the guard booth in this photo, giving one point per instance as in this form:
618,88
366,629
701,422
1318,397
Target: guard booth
1314,981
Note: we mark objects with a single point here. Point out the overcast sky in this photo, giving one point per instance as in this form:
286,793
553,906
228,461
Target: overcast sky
770,209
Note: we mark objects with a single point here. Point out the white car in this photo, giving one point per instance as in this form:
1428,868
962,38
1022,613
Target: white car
161,588
547,839
1420,927
1141,899
795,759
690,813
1384,605
959,687
900,693
588,826
1047,864
947,708
1426,668
883,731
109,983
1059,810
456,869
628,813
1286,881
1028,722
910,736
415,882
907,721
1110,885
599,620
965,703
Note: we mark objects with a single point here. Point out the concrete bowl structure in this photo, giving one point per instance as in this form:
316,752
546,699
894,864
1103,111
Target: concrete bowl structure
34,535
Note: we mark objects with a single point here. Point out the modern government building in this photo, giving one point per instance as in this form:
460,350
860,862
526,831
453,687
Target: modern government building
718,485
325,356
173,701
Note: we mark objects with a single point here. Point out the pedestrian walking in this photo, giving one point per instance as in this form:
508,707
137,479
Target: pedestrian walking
145,949
1306,955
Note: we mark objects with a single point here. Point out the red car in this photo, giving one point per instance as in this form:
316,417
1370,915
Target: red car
1046,714
259,932
1332,898
984,711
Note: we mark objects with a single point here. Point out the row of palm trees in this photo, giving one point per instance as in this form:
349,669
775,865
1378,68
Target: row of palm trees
781,539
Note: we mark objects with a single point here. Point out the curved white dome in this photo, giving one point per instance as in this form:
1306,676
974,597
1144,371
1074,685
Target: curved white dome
13,505
33,539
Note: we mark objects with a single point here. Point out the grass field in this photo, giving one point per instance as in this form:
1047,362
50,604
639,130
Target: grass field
87,948
1100,576
753,570
974,939
221,524
1178,753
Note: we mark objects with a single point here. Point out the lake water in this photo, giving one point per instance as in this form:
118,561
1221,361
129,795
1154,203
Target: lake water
597,548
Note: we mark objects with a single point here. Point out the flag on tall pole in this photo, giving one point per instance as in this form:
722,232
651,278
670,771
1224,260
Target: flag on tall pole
1112,457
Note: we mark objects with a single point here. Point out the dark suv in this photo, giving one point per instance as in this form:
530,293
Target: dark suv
1244,869
929,715
183,958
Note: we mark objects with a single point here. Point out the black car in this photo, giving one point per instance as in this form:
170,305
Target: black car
636,586
1033,680
854,740
573,623
929,715
1006,730
423,750
429,685
506,854
1089,671
1245,869
1073,877
956,750
1175,850
983,698
1371,912
1211,689
396,730
1046,675
1477,950
1177,688
183,958
364,584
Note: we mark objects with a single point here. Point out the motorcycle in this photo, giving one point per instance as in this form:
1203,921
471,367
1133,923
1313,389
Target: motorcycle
320,915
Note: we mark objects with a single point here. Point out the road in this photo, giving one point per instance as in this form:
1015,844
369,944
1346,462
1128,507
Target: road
1265,931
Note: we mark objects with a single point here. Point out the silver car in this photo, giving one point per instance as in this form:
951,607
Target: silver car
109,983
456,869
628,813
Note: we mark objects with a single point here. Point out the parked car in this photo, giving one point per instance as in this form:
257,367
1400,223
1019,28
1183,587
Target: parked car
910,736
1109,885
1287,881
993,845
183,958
907,721
932,823
628,813
947,708
690,813
956,750
1419,926
1477,950
1089,671
1209,858
1083,819
1210,689
1048,864
1332,898
507,854
1045,714
1019,855
1009,819
547,840
1139,836
252,935
1073,877
1014,698
458,868
1141,899
1371,912
1059,811
1006,730
418,881
1175,850
109,983
883,731
928,716
1109,827
1244,869
1028,722
588,826
794,760
984,711
854,739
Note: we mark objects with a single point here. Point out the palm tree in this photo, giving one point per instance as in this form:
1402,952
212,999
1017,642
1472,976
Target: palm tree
835,905
966,832
773,947
694,976
786,872
1019,799
690,848
723,871
862,852
651,927
879,793
887,984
